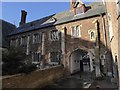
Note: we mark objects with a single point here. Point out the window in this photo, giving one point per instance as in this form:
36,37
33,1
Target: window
13,42
37,38
92,35
54,35
76,31
23,40
36,57
55,57
17,42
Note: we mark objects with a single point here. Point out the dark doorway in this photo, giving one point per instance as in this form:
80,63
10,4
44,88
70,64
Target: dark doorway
81,65
75,61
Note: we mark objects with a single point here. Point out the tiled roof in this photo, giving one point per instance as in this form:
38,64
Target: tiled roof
60,18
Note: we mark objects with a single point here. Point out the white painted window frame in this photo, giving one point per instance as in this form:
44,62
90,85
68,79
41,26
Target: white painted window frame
89,32
74,31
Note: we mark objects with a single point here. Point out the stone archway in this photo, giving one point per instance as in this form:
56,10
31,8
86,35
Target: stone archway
66,61
78,53
76,61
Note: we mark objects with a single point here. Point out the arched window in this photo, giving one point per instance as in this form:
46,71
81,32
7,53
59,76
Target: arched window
92,35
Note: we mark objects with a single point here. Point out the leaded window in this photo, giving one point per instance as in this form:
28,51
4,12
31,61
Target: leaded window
54,35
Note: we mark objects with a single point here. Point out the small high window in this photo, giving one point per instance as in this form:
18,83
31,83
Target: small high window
92,35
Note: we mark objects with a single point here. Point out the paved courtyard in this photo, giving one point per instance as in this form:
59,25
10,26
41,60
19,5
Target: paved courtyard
84,80
74,81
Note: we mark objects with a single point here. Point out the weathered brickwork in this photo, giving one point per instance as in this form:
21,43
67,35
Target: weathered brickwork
113,17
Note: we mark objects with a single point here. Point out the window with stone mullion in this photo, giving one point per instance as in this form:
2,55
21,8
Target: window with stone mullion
37,38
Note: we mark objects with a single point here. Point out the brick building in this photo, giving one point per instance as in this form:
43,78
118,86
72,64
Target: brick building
113,18
75,38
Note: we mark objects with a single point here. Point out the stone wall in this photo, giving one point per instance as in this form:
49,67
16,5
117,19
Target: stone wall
35,79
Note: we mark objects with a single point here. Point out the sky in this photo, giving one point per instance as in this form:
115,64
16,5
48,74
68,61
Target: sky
11,11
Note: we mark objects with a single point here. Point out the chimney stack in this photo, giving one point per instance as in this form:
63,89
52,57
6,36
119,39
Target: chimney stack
83,8
72,2
23,17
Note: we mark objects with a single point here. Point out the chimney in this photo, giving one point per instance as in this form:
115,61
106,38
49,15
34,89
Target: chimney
72,2
23,17
83,8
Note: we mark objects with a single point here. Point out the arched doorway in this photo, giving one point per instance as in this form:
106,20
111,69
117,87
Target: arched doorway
79,61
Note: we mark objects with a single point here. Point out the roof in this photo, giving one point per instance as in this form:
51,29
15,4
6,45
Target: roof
6,28
63,17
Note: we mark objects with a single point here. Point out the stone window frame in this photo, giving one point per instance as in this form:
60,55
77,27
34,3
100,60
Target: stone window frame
54,55
13,41
92,35
90,32
36,57
74,33
23,40
53,37
37,38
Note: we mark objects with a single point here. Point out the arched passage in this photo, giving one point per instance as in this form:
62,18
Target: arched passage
79,61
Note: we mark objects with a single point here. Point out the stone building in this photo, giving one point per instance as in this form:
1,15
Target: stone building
113,20
75,38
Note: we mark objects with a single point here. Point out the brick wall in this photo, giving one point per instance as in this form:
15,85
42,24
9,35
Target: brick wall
84,41
35,79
